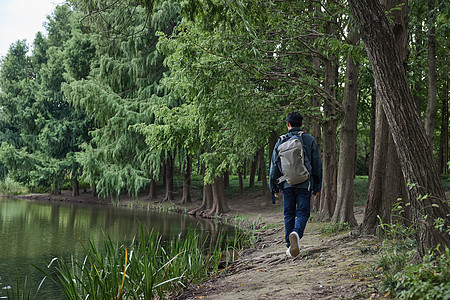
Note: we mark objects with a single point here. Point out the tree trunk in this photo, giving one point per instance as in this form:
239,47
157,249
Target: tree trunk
375,193
152,193
347,157
169,179
94,190
443,144
206,202
394,186
187,182
272,141
56,190
390,179
226,179
372,130
253,172
329,182
241,182
220,205
316,130
263,168
75,187
430,114
426,194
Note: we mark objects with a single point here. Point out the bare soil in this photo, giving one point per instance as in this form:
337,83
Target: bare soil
328,267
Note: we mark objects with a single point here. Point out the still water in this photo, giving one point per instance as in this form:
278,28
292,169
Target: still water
32,233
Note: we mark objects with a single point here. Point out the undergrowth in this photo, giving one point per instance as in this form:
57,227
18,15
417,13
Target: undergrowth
403,279
9,187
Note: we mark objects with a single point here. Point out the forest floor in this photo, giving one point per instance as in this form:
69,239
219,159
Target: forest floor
330,266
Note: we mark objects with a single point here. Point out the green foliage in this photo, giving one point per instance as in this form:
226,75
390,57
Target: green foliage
9,187
426,280
361,187
41,130
121,91
405,280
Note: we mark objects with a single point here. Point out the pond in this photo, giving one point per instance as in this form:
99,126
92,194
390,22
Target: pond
32,233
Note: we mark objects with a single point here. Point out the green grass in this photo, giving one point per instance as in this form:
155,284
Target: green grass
334,228
148,268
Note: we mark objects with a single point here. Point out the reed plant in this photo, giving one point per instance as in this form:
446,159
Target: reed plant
148,268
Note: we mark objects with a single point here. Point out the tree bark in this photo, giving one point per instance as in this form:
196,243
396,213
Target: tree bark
220,205
187,197
347,156
207,200
75,187
226,179
169,179
374,197
152,193
443,143
263,171
253,172
393,188
372,130
241,182
390,177
430,114
425,192
272,141
316,130
329,182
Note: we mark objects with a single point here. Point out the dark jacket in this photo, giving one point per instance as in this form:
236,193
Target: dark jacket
315,180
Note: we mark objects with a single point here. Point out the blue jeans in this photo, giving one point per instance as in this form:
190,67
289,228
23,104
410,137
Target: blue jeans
296,211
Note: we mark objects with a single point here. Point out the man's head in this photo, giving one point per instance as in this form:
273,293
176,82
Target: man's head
294,119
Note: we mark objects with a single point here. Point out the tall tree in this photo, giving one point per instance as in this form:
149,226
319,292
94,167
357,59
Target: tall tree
121,91
347,153
386,182
425,193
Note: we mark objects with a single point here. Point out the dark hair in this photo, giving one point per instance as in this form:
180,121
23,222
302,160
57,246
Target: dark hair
295,119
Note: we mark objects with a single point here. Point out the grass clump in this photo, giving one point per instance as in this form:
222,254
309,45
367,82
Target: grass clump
148,268
334,228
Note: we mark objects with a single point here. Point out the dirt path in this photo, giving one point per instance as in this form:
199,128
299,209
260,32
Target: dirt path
328,267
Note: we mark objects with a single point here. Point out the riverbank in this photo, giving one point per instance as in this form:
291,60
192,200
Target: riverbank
331,266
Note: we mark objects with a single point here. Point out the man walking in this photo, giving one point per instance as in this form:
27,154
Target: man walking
286,174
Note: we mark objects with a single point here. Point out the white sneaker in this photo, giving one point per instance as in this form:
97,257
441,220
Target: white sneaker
288,252
294,239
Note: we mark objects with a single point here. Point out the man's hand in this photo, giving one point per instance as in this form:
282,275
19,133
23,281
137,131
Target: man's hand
274,196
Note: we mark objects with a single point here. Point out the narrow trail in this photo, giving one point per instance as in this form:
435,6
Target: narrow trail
328,267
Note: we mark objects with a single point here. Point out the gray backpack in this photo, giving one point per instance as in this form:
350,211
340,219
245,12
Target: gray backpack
293,161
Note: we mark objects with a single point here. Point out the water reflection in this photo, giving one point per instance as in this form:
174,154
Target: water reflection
35,232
